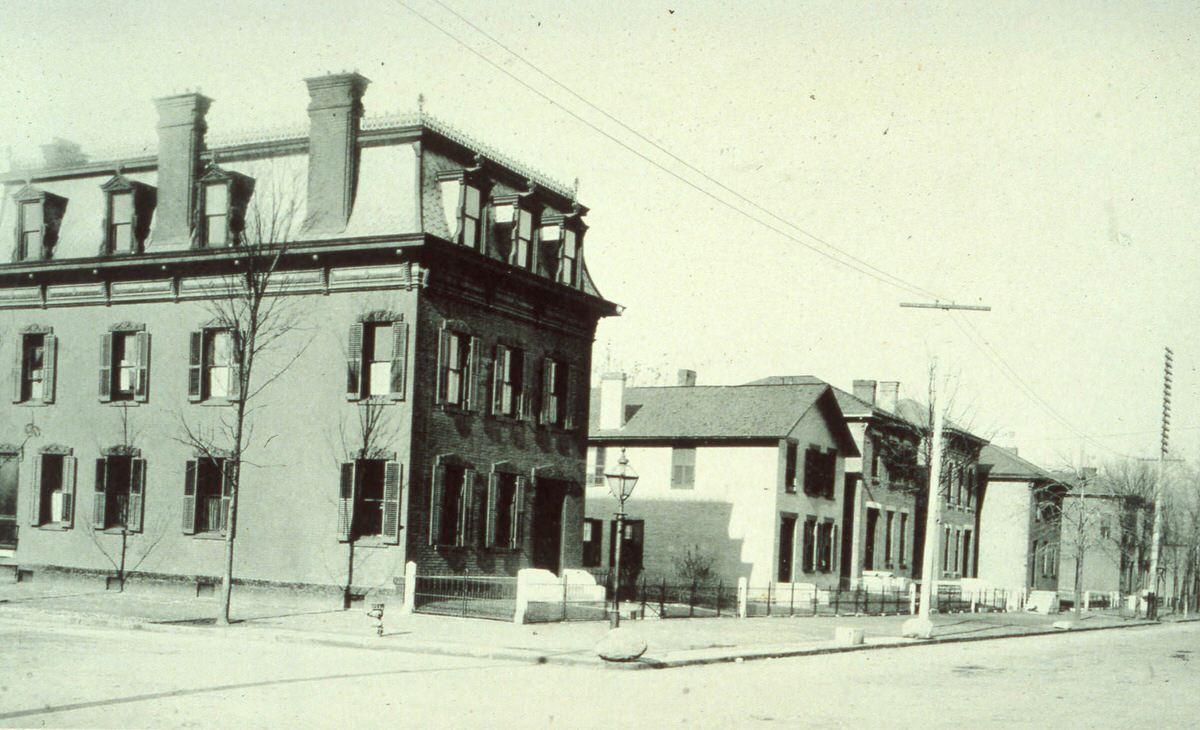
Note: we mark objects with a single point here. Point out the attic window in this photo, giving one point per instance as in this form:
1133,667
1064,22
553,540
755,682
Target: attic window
223,200
39,215
30,245
216,214
129,208
559,248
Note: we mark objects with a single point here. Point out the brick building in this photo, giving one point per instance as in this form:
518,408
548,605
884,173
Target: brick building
1020,522
745,476
443,299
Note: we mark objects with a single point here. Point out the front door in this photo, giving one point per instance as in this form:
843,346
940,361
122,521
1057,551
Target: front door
8,501
787,547
547,524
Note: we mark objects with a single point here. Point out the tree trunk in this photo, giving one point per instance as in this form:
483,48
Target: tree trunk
121,567
1078,584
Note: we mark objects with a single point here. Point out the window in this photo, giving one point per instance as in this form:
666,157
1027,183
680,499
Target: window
30,245
450,505
207,486
120,221
789,469
10,472
458,360
591,543
504,220
470,211
505,505
820,471
39,215
35,367
556,396
377,360
54,489
683,468
888,534
508,385
825,547
946,551
787,547
966,554
124,365
808,550
872,528
599,464
568,262
521,252
213,371
216,214
369,500
120,484
223,200
903,551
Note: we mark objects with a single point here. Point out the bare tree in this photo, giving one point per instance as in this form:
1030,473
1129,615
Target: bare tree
250,304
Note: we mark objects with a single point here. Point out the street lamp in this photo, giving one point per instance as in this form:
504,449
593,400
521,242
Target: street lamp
621,482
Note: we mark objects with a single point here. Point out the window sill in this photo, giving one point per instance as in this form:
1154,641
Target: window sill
114,403
33,404
372,541
54,526
213,402
376,400
115,530
503,550
209,536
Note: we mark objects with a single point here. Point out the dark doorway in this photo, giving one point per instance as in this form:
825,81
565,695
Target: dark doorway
8,501
787,547
869,552
547,524
632,550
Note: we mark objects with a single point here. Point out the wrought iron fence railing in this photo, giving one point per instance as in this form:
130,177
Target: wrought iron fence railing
491,597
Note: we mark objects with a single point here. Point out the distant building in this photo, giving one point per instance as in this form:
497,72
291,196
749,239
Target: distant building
442,288
1106,534
747,477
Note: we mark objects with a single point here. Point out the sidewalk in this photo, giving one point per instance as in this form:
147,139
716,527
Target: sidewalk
671,642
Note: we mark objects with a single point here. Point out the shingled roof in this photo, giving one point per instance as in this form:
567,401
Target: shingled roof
721,412
1004,464
851,405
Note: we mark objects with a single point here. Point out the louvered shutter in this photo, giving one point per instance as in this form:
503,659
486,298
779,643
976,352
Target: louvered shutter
572,395
189,498
137,488
51,355
435,505
18,370
196,366
492,508
516,529
443,369
474,392
466,503
399,359
548,399
141,391
354,362
70,465
99,499
227,487
346,500
462,204
238,345
527,389
500,370
35,492
106,353
393,486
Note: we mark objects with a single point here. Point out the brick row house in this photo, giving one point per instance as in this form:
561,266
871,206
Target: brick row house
431,405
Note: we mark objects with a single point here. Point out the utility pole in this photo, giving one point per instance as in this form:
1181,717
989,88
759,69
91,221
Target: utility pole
1156,539
933,511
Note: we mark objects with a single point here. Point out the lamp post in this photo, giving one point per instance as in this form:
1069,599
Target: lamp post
621,482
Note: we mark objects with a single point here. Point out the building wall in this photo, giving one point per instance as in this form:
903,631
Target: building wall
813,429
1083,541
1004,535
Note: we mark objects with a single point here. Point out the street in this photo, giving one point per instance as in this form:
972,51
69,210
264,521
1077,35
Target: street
73,676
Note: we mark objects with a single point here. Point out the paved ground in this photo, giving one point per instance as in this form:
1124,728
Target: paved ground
78,676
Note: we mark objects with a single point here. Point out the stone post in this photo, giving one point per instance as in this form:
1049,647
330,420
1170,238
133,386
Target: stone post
742,595
410,588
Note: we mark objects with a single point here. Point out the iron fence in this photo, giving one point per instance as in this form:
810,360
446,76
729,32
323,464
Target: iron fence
660,599
792,599
468,596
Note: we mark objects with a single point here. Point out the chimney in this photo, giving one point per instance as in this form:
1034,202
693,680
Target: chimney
334,110
887,395
62,153
864,390
181,130
686,378
612,401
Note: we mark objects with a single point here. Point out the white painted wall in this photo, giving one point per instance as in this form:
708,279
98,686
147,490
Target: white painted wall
1004,535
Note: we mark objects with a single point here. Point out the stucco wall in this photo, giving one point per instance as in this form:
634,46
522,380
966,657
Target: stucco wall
1004,534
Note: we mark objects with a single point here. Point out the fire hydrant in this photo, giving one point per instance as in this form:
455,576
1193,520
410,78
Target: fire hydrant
376,613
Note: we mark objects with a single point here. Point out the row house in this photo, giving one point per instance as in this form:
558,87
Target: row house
742,480
429,404
1105,536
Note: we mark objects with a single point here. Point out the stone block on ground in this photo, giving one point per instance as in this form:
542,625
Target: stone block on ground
621,645
848,636
917,628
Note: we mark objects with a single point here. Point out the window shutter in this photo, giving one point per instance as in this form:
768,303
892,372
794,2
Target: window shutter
51,343
227,485
516,529
18,371
237,355
474,375
195,366
141,391
572,393
467,497
443,369
548,368
462,204
346,500
35,492
189,498
354,362
399,359
492,497
500,370
70,463
393,485
106,352
137,487
527,389
98,501
435,505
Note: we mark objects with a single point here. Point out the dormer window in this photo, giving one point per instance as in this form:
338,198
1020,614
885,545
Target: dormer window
472,212
513,226
39,215
224,196
560,249
522,248
503,222
568,258
462,202
127,215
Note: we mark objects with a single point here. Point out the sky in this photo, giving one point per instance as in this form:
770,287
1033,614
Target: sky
1035,158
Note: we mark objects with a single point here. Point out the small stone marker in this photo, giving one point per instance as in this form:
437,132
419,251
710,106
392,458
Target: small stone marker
917,628
1065,625
621,645
848,636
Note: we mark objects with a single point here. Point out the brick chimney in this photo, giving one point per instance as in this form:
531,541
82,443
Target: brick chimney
334,110
686,378
181,130
62,153
864,390
887,394
612,401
